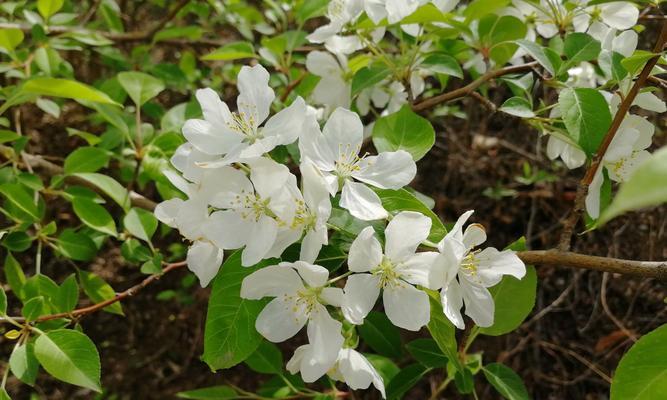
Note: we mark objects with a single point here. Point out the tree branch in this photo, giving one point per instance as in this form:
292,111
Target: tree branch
645,269
582,188
469,88
51,169
79,312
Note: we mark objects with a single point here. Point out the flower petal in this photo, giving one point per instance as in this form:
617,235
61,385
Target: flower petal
227,229
358,372
474,235
493,264
343,132
255,94
365,252
362,202
167,211
479,304
360,294
404,234
281,319
204,260
313,275
273,281
619,14
452,301
324,333
263,235
406,306
388,170
424,269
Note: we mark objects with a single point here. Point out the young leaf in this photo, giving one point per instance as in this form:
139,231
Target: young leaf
514,300
86,159
645,187
23,363
19,197
230,335
17,241
210,393
35,308
231,51
586,116
66,88
368,76
94,215
642,372
140,223
404,130
10,38
518,106
98,291
381,335
14,275
442,64
579,46
404,380
108,185
267,359
70,356
540,55
139,86
49,7
76,246
505,381
67,296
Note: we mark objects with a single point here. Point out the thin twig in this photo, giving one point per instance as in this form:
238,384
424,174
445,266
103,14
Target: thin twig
469,88
582,188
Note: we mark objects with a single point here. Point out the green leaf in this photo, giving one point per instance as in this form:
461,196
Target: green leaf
578,47
23,363
539,53
210,393
518,106
8,136
427,352
67,296
76,246
35,308
404,130
479,8
66,88
17,241
642,372
14,275
3,301
442,64
94,215
231,51
381,335
310,9
505,381
109,186
267,359
645,187
70,356
10,38
98,291
139,86
230,335
86,159
443,332
498,33
19,197
49,7
636,61
384,366
369,76
402,200
140,223
586,116
4,395
514,300
405,379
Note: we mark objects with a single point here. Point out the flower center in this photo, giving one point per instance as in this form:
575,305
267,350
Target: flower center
245,124
307,298
251,205
388,273
303,217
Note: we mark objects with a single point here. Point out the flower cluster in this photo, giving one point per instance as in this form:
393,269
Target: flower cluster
238,197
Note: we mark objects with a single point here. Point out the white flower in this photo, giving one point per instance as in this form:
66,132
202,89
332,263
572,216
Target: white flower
350,367
238,136
339,12
333,89
336,154
393,10
252,209
395,272
476,271
625,152
388,98
619,15
545,16
572,156
583,75
300,297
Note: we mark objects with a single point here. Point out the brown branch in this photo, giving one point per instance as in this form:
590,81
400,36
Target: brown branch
51,169
469,88
582,188
645,269
79,312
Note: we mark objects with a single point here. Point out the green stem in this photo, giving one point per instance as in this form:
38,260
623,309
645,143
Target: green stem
336,279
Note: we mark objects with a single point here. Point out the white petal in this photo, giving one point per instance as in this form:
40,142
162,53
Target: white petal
294,363
474,235
191,216
625,43
287,123
204,260
255,94
424,269
493,264
227,229
650,102
313,275
281,319
573,157
619,14
312,244
406,306
452,301
376,10
208,138
404,233
215,110
343,44
360,294
555,147
323,64
273,281
456,232
593,197
362,202
262,237
324,333
388,170
344,131
358,372
365,252
311,368
332,296
228,183
479,304
167,211
399,9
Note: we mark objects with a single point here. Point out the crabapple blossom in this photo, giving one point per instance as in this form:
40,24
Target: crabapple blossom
333,89
395,271
468,273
